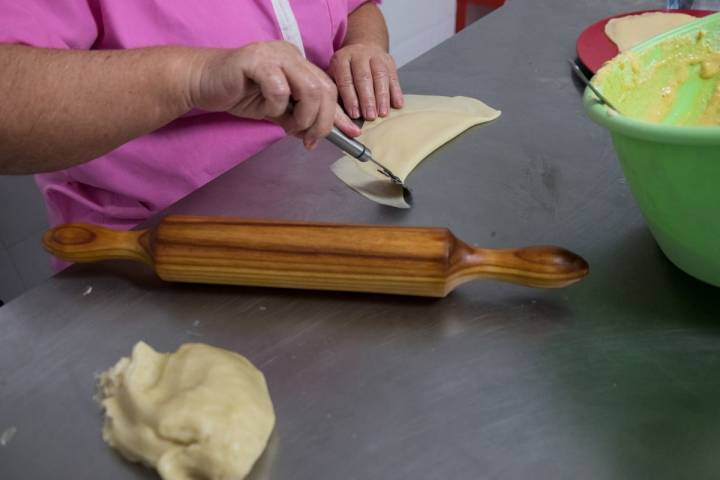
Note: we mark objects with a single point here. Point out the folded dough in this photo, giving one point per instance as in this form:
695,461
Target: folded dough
404,138
199,413
626,32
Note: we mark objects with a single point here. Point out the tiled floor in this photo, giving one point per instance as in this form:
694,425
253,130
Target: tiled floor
23,263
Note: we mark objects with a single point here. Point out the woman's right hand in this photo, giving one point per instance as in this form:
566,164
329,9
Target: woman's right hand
258,81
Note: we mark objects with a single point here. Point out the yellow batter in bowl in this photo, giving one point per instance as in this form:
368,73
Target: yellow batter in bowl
675,83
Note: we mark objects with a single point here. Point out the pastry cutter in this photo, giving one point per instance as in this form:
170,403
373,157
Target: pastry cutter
361,153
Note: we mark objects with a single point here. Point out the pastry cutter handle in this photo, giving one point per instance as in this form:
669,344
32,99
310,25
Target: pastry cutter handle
349,145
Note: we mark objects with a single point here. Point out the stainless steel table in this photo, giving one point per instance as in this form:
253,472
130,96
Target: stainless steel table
613,378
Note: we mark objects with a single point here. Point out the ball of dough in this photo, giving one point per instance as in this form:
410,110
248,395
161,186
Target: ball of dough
199,413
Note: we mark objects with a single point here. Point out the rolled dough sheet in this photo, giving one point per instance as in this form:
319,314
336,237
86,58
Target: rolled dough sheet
404,138
626,32
201,412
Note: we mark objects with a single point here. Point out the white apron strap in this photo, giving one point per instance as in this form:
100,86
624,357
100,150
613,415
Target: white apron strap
288,23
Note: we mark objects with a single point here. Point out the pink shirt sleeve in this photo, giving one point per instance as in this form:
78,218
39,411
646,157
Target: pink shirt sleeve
49,23
353,4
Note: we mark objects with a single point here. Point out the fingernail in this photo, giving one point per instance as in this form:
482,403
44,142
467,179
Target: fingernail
355,112
383,110
371,113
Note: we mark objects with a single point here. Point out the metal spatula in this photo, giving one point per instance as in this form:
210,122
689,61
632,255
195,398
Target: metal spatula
578,71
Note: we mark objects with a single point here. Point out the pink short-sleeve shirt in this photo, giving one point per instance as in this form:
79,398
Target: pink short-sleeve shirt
124,187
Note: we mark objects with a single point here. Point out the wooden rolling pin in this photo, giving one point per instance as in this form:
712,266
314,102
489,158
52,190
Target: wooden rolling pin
397,260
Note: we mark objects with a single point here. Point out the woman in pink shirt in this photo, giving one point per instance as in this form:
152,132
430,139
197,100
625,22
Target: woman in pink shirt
127,106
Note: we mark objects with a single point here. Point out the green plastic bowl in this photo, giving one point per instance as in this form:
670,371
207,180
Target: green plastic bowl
673,171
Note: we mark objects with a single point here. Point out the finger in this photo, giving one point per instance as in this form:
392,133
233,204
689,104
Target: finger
304,115
346,86
323,124
362,76
275,90
287,122
381,85
308,144
343,122
324,120
397,99
307,90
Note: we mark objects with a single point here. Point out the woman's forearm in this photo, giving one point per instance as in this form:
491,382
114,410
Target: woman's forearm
366,25
59,108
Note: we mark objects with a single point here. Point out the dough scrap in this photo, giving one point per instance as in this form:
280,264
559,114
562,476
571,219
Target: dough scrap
199,413
404,138
626,32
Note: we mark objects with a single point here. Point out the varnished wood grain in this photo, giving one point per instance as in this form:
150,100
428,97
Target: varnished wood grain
84,243
364,258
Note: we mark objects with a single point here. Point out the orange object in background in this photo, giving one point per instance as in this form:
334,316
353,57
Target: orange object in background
461,15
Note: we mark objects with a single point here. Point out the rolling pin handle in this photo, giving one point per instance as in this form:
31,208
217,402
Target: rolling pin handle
90,243
538,266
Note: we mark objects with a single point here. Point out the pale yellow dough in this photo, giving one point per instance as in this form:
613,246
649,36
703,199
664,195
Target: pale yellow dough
626,32
404,138
199,413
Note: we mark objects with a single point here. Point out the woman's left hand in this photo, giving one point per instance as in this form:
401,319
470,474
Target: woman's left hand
367,80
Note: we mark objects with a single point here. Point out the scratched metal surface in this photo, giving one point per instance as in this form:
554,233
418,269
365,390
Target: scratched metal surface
613,378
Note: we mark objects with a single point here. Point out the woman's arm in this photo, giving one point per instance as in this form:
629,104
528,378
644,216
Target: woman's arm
59,108
363,70
366,25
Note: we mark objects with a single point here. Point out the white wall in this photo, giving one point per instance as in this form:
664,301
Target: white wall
417,25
